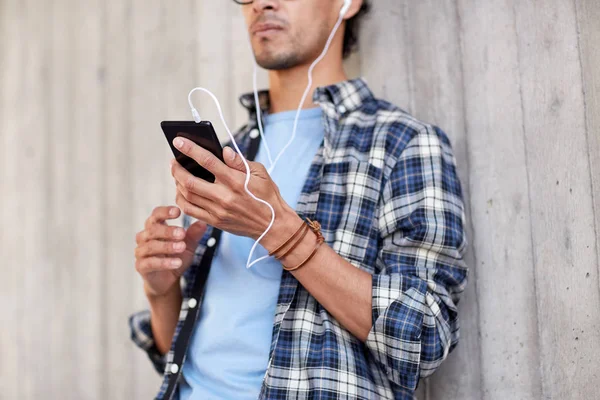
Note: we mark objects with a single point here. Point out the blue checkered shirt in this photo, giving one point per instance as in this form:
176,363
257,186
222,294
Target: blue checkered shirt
385,189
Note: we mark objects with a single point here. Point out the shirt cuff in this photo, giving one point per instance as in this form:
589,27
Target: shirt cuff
395,337
141,334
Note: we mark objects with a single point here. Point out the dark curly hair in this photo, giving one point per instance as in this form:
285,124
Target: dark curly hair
352,28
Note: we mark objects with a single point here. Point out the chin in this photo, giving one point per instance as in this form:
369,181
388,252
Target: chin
277,61
277,53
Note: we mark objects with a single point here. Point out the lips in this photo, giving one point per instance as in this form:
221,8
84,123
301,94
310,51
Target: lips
266,28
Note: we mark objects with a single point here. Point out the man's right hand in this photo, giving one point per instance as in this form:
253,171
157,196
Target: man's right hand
164,252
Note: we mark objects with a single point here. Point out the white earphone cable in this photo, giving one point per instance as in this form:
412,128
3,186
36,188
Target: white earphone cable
307,91
261,130
197,119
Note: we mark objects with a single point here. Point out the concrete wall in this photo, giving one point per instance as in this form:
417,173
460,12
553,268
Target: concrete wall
84,85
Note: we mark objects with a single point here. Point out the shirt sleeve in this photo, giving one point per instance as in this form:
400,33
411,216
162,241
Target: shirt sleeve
421,222
141,334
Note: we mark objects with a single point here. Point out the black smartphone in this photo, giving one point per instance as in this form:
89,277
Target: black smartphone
203,134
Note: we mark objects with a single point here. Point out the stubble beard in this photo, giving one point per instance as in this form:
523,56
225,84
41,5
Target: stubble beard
274,60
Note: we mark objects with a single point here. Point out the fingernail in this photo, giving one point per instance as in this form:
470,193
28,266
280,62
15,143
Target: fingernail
178,246
231,154
176,262
178,142
179,232
173,212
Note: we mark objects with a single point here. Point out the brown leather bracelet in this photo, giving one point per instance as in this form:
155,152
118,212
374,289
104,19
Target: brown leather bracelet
320,241
305,231
287,241
316,227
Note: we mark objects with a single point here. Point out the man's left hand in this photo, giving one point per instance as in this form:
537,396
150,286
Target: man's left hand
225,204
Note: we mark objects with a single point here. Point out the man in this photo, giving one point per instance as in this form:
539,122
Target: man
374,308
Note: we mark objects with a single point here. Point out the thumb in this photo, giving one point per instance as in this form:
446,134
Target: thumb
195,233
233,160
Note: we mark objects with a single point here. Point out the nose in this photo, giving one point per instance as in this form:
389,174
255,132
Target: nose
263,5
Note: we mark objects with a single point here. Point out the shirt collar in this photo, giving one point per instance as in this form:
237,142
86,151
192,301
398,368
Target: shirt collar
336,100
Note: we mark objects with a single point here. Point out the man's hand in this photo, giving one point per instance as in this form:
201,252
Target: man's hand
225,204
163,252
343,289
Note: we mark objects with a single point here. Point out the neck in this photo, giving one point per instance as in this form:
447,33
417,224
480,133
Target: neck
286,87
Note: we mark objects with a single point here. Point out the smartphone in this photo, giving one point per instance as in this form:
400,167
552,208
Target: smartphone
203,134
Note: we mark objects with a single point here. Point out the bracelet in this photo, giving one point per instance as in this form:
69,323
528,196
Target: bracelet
287,241
316,227
319,243
305,229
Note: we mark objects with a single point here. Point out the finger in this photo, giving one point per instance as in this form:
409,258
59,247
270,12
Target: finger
236,163
161,214
203,157
154,264
233,160
163,232
259,170
197,200
159,248
193,184
194,234
192,210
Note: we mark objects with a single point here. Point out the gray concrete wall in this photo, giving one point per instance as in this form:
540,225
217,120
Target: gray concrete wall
84,85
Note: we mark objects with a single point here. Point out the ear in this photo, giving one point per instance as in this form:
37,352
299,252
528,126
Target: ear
354,9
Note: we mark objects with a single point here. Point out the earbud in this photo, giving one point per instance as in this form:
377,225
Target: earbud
345,7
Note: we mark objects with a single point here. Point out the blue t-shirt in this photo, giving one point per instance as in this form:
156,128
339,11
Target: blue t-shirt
229,350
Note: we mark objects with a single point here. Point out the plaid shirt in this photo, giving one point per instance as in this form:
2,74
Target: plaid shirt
384,187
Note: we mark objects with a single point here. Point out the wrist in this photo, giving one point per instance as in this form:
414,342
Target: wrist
174,292
284,226
303,249
301,246
164,312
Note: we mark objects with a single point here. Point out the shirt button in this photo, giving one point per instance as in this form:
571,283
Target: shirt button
254,133
192,303
174,368
211,242
342,109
